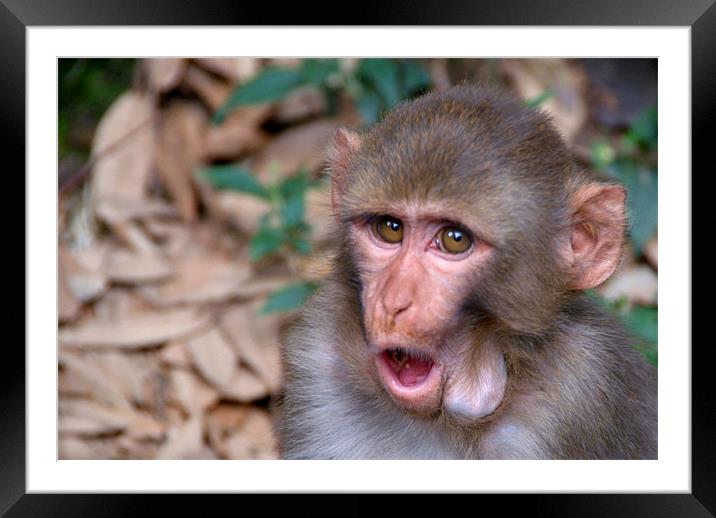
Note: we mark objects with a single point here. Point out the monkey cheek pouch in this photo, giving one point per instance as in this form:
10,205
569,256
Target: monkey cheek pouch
413,380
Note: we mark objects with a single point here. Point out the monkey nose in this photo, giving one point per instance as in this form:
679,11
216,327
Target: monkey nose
395,308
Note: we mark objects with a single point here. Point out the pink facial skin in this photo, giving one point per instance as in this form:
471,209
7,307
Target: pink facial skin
411,292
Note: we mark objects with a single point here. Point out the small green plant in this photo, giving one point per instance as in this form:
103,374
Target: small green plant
86,88
282,227
376,85
289,297
642,321
540,99
633,163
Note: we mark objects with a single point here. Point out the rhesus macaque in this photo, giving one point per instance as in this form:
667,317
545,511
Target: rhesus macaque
455,324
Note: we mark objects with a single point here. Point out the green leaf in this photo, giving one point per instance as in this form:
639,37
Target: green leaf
289,297
602,155
644,322
269,85
369,106
302,246
293,190
266,241
540,99
642,200
234,178
644,130
415,77
297,183
293,210
318,71
382,74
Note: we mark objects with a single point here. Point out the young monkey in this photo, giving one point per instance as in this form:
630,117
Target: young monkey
454,325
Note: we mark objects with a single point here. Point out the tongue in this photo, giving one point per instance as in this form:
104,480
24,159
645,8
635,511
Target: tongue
414,371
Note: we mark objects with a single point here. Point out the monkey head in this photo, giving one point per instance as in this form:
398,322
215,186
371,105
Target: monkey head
463,218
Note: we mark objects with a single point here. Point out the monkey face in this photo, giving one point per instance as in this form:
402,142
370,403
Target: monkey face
458,210
415,264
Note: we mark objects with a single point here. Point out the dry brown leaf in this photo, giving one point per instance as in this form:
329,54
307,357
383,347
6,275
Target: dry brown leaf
126,230
302,145
91,257
226,418
129,448
191,392
319,214
164,74
180,151
211,90
243,210
174,239
129,267
139,209
222,422
255,439
68,305
213,357
156,395
651,252
87,376
135,331
183,441
123,149
162,230
82,426
74,448
532,78
175,354
84,448
256,340
200,279
639,284
244,387
174,414
261,286
240,133
284,62
70,385
119,304
144,427
83,283
128,373
81,413
236,70
302,103
439,75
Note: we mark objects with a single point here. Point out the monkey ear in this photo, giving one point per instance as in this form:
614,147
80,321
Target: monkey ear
597,234
345,144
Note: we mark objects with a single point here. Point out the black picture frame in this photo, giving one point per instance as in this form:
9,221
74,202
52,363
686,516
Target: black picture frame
699,15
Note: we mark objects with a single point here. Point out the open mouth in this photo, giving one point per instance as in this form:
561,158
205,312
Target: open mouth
410,368
412,377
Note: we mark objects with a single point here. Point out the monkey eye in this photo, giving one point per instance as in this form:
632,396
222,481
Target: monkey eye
388,229
454,240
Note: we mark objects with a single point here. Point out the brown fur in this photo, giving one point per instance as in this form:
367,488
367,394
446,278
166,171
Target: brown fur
576,386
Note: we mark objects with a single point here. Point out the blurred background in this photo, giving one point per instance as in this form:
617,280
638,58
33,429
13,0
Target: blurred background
194,220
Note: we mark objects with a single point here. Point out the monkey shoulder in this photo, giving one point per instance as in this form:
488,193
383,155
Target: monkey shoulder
597,393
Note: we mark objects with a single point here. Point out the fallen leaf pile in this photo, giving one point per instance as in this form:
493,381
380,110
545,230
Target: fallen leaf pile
163,350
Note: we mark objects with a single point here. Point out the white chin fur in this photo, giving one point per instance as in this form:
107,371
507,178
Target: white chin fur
479,396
